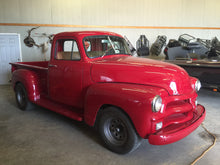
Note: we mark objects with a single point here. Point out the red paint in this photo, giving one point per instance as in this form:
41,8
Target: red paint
175,132
79,88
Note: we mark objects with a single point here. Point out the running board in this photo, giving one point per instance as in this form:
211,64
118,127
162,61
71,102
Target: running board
62,109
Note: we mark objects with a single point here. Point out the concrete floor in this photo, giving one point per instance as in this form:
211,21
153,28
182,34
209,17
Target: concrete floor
42,137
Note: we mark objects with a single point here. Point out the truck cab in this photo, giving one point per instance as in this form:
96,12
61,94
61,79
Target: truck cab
92,77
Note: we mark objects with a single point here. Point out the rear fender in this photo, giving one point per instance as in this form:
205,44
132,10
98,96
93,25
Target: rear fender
30,81
134,100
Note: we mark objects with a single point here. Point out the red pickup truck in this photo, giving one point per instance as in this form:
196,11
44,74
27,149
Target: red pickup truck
92,77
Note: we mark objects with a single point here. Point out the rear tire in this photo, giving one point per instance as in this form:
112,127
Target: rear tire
117,132
22,97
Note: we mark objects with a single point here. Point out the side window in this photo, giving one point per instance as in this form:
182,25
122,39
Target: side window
67,50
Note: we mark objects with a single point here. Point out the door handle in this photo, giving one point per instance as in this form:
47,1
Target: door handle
51,65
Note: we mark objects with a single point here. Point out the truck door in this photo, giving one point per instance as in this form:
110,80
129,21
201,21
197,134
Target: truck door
65,73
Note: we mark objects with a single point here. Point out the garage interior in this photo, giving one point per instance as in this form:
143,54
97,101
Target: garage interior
40,136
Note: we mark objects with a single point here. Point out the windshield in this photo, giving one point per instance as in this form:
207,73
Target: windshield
100,46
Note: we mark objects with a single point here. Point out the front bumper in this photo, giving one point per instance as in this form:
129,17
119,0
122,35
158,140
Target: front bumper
175,132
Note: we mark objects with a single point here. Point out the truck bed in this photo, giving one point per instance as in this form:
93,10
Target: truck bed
42,65
40,68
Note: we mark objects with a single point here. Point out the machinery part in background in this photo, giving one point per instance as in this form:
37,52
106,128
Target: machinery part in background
215,43
28,41
197,48
131,47
187,47
185,39
214,51
157,46
142,46
172,43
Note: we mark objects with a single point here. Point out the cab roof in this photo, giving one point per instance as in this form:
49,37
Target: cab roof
83,34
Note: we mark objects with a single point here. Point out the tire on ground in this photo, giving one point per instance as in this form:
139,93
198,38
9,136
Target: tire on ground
117,131
22,97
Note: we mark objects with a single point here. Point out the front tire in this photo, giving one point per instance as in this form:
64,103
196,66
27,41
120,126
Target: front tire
117,132
22,97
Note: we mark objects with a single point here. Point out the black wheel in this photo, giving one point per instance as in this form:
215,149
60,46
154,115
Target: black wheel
21,97
117,132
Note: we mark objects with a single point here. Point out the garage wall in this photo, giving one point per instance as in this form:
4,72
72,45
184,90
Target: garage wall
200,18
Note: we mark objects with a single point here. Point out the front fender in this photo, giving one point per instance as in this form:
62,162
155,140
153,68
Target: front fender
30,81
134,100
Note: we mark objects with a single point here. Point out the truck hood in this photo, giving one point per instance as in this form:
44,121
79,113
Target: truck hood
128,69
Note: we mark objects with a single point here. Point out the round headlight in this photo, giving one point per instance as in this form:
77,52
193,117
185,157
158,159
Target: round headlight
197,85
156,103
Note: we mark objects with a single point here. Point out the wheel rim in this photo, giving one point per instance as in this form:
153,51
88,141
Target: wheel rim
116,131
20,97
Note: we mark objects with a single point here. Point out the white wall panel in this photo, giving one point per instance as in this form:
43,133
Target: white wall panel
112,12
212,13
193,12
9,11
169,13
66,11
